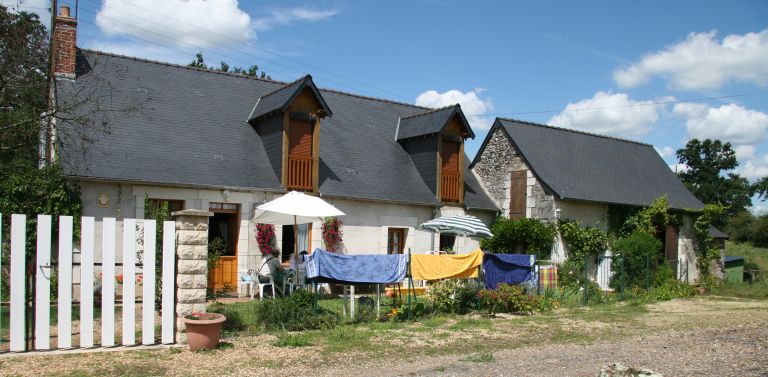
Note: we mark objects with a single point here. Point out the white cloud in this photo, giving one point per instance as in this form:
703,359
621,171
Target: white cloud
195,23
703,62
744,152
678,168
40,7
609,114
471,104
754,168
758,210
731,123
288,16
666,151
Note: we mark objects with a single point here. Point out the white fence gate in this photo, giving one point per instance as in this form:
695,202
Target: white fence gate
86,302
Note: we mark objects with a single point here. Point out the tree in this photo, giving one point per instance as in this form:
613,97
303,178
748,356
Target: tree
253,70
710,175
760,188
25,186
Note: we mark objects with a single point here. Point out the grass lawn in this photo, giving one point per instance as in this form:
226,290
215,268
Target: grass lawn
751,253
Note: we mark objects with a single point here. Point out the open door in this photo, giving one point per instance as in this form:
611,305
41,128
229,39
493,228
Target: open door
225,224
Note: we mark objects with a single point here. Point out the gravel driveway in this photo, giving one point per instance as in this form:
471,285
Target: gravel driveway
691,337
732,351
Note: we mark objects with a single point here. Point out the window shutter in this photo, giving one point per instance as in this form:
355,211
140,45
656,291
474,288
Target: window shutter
450,157
517,195
300,139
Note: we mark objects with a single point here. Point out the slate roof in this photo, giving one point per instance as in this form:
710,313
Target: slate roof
716,233
430,122
187,127
281,98
581,166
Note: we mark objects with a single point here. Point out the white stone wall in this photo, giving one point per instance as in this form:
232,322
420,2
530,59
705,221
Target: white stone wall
365,225
686,251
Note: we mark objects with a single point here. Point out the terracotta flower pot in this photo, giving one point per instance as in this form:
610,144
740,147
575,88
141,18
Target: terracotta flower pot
205,331
701,290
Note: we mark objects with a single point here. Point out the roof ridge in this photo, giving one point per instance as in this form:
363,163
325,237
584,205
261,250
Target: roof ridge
374,98
575,131
158,62
254,78
431,111
287,85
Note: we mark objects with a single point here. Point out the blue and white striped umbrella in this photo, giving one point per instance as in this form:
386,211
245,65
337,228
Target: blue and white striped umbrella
462,225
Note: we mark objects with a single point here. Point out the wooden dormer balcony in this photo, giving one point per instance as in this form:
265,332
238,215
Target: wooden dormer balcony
299,174
449,188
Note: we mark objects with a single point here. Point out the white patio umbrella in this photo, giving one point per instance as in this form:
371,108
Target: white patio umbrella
294,208
468,226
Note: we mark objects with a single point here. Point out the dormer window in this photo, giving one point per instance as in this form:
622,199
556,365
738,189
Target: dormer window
435,141
288,121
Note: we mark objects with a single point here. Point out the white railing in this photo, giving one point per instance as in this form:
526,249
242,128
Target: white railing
65,271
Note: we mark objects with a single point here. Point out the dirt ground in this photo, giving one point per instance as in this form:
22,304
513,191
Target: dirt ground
691,337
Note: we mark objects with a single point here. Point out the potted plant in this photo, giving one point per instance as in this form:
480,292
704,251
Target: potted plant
203,330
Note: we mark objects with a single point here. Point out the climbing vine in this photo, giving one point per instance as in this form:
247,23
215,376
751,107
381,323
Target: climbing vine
711,213
648,220
532,235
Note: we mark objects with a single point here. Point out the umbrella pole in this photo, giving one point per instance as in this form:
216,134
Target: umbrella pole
295,251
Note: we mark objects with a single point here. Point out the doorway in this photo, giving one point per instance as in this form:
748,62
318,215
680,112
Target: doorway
224,228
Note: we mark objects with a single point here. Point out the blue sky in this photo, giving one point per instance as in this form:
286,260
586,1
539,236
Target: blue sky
659,72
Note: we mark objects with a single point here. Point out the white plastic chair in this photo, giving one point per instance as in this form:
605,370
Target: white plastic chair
263,284
245,279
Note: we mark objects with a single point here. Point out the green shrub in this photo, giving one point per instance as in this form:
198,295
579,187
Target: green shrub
570,274
634,259
454,296
294,313
286,339
234,321
668,290
535,236
507,298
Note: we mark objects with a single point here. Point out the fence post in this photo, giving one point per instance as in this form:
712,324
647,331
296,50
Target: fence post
585,296
192,265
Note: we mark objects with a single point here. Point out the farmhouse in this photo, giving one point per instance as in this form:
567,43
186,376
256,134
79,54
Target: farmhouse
197,139
536,171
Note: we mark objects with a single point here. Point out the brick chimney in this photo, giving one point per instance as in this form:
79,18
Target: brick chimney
64,43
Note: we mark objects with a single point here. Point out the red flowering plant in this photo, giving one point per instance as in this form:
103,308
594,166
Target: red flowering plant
332,233
265,237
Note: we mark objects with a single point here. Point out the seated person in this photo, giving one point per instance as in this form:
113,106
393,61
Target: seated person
302,255
302,266
270,266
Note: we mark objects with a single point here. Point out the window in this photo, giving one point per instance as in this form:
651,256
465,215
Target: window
395,240
517,193
447,242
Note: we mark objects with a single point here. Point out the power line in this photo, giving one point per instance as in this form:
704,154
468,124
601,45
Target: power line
655,103
258,48
232,59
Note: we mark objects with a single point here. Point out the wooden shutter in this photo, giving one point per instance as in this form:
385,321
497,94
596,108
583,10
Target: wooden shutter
300,139
517,195
450,157
670,246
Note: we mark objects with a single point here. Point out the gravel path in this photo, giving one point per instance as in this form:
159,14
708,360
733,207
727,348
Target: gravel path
733,351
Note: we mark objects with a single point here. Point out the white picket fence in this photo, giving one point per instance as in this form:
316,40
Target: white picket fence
64,272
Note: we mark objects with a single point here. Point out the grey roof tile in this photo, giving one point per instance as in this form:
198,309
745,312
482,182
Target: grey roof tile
279,99
190,129
582,166
430,122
